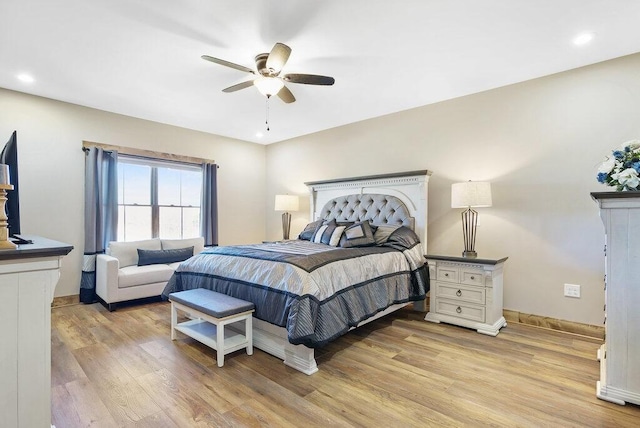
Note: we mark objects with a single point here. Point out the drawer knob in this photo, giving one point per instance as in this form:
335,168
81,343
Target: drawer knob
446,274
473,277
458,309
459,293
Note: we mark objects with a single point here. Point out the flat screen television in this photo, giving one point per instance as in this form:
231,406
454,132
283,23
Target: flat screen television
9,156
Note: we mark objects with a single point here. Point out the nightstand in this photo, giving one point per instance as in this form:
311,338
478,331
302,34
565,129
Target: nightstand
466,292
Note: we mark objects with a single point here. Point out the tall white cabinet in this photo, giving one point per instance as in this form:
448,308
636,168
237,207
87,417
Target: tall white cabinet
620,354
28,277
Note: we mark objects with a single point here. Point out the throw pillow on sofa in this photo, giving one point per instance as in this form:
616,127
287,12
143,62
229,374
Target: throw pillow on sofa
154,257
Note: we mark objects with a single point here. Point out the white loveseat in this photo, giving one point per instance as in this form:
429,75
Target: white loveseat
119,278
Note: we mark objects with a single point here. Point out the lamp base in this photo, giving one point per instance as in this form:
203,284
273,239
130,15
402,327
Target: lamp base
5,244
470,254
286,225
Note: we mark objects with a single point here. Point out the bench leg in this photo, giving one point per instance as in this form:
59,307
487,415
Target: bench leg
220,344
174,321
248,332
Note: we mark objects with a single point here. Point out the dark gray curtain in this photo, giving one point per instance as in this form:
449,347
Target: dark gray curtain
209,204
100,213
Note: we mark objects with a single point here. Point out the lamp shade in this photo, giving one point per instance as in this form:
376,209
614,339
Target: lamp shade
287,203
471,194
268,85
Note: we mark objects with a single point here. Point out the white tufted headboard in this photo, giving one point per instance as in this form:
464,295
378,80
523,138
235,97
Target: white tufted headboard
377,208
397,198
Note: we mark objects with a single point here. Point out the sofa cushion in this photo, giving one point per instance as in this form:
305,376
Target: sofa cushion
132,276
172,244
151,257
127,252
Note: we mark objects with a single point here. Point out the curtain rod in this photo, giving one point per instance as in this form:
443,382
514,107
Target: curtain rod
146,154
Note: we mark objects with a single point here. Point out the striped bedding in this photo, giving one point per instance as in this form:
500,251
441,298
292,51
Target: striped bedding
317,292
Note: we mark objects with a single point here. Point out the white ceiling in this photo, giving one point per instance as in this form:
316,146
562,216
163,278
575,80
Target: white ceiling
141,58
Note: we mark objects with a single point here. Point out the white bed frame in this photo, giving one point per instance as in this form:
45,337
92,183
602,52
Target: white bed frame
411,188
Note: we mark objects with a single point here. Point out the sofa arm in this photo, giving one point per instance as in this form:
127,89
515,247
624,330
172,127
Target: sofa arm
107,277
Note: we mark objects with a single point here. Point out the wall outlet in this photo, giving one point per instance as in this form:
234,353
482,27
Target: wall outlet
572,290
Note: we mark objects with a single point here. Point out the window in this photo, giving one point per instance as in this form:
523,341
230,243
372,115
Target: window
158,199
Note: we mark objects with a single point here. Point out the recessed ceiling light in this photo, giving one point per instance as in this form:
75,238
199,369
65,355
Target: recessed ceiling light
26,78
259,134
583,39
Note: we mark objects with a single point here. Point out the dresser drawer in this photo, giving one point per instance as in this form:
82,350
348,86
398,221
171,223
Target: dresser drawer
471,277
460,293
446,273
461,310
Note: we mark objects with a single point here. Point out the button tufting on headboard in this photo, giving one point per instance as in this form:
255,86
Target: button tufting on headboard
377,208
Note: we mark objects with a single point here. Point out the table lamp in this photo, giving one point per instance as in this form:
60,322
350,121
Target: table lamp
468,195
286,203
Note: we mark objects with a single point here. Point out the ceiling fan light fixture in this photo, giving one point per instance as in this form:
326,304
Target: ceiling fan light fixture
268,85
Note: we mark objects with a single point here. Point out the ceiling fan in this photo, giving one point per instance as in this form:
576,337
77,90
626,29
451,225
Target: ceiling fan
269,81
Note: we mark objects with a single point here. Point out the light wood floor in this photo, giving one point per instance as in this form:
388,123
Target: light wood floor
121,369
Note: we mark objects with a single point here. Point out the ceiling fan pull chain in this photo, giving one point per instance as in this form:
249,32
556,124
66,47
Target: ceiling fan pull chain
267,113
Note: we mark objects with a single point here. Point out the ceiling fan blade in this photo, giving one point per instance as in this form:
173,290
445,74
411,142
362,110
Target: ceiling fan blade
227,64
309,79
286,95
278,57
238,86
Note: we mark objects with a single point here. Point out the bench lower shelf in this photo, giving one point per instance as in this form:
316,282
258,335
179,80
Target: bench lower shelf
205,332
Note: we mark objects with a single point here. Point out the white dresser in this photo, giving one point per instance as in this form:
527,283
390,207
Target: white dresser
620,354
28,277
467,292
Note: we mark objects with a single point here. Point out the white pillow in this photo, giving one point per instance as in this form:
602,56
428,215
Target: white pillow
328,234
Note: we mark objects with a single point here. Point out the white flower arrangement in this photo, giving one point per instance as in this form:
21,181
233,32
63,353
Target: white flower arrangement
622,169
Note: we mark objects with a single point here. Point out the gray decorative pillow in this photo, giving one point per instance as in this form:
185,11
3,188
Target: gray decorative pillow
309,230
154,257
383,232
329,233
358,235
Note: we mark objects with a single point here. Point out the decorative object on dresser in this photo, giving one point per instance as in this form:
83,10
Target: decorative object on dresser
467,293
468,195
621,168
5,184
286,203
619,355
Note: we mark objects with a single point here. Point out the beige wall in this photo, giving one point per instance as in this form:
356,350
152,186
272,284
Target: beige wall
50,135
539,143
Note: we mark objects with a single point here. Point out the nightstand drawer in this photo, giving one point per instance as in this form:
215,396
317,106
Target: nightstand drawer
445,273
471,277
462,294
461,310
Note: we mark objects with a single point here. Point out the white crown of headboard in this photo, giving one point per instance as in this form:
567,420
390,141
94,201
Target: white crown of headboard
411,188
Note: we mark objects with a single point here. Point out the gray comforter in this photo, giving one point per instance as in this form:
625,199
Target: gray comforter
315,291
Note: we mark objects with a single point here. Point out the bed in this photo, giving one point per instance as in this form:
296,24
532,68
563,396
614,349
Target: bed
361,258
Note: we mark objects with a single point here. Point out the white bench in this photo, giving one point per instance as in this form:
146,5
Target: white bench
211,311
